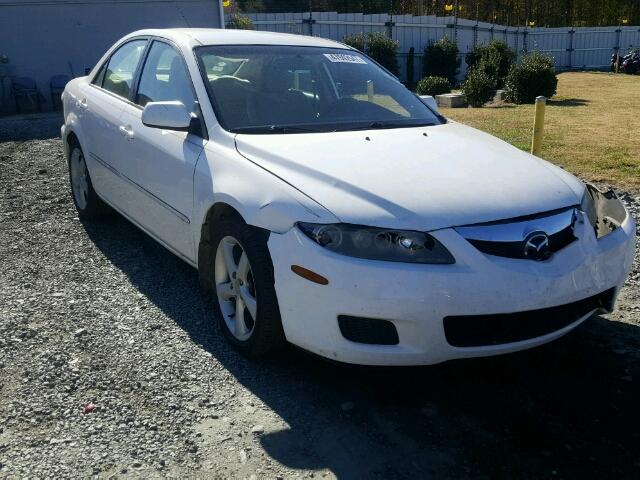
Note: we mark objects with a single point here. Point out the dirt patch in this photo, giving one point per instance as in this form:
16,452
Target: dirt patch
98,318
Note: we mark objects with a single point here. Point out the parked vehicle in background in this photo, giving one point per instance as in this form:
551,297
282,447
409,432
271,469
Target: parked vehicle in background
629,63
327,206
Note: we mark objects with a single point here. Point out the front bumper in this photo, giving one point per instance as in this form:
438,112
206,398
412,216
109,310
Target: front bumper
416,298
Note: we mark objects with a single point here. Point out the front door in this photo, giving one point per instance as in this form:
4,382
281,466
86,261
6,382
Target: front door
161,163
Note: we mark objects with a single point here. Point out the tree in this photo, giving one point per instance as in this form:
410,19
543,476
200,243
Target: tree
545,13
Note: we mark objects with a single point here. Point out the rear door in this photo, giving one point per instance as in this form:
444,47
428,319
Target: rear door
102,102
160,163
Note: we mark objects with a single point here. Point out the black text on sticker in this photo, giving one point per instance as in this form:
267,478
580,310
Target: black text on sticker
344,58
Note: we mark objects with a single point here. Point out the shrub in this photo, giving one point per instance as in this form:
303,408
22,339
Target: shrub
498,52
441,59
479,87
433,86
536,75
378,46
490,65
239,22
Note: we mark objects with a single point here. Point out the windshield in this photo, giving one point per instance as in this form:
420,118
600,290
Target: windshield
288,89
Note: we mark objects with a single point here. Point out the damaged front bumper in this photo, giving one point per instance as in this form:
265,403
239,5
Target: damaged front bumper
605,211
417,299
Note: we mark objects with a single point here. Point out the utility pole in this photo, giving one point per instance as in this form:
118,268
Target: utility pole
389,24
455,21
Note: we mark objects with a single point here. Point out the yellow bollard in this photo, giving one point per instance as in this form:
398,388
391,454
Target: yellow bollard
538,126
370,90
296,80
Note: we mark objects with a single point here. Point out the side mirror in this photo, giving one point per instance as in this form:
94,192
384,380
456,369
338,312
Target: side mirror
167,115
430,102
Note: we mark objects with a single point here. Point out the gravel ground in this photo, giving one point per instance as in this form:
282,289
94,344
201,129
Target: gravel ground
110,367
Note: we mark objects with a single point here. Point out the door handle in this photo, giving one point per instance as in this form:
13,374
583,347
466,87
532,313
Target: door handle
127,131
83,104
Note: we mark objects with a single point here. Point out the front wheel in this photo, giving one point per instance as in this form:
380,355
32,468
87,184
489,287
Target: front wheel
243,288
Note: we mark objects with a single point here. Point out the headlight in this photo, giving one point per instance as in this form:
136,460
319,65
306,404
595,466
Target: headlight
603,209
378,243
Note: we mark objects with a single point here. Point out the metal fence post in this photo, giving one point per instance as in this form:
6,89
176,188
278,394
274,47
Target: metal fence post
389,24
617,46
455,22
525,44
570,48
475,35
309,22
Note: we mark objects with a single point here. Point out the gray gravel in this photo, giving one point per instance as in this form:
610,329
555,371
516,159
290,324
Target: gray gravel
110,366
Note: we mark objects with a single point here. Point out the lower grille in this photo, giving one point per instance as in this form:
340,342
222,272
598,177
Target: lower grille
481,330
368,330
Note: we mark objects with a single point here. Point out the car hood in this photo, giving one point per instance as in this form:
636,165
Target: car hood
423,178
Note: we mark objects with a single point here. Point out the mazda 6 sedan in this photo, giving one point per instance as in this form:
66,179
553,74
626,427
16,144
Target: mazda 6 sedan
325,205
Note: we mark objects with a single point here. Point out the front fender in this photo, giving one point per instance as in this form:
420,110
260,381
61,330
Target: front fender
264,200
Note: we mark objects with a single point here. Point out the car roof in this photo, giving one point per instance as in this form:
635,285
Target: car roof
219,36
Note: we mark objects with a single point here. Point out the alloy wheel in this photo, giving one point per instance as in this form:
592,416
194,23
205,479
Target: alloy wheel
79,178
235,288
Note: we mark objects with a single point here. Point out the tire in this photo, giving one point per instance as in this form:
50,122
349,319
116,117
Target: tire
263,334
87,202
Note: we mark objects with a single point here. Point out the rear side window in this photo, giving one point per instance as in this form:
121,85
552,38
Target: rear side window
165,78
121,68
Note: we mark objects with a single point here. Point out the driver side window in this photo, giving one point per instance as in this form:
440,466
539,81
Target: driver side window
121,68
165,78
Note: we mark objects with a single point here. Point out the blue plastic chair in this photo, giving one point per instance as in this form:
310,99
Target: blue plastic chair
25,87
56,85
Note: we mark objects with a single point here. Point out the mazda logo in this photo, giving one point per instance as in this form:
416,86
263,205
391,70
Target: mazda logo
536,246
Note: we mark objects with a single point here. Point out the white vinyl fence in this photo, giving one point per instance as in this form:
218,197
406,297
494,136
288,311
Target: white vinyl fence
573,48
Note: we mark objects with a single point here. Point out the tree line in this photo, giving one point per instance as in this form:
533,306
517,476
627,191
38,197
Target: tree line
532,13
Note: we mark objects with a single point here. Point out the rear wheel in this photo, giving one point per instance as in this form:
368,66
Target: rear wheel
244,295
86,200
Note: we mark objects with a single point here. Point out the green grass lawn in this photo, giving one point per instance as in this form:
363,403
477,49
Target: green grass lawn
592,126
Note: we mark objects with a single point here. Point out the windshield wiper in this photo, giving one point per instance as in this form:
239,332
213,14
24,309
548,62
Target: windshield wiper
378,125
275,129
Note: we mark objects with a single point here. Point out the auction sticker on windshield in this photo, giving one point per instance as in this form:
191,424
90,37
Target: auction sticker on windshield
344,58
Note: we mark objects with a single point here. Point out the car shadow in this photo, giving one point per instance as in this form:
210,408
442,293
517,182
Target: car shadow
568,409
32,126
500,105
568,102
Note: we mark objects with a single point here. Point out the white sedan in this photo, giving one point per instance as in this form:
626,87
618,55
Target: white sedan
327,206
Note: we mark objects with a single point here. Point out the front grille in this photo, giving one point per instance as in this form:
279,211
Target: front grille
368,330
508,238
557,241
481,330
